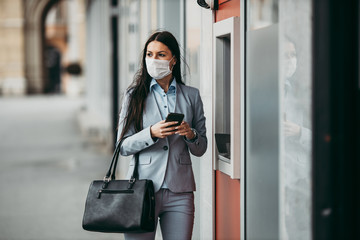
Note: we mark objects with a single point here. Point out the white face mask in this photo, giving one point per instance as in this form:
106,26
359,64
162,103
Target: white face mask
158,69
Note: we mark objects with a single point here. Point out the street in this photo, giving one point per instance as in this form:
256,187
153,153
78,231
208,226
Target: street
46,167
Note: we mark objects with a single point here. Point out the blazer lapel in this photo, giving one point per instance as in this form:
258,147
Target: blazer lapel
151,114
180,100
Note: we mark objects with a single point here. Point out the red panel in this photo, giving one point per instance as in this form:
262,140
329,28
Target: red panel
227,9
227,199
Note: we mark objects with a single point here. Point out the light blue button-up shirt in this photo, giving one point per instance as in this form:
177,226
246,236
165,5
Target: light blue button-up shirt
165,101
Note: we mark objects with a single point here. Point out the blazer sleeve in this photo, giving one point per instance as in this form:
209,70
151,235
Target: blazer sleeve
133,141
199,146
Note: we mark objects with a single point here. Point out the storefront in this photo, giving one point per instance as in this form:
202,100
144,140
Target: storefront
258,65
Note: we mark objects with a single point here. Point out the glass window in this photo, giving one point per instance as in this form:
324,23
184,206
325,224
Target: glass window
192,42
278,119
262,13
295,119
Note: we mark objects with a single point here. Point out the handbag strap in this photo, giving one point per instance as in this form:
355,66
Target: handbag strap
114,157
110,175
135,174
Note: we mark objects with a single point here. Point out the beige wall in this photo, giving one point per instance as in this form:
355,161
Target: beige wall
12,80
21,44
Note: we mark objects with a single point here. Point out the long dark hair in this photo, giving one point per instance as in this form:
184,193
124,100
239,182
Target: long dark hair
139,89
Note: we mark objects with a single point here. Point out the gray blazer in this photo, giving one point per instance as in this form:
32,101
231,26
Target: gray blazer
166,158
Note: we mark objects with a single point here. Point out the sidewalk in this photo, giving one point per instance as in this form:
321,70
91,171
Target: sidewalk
46,167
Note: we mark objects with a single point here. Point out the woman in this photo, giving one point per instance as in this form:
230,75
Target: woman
164,156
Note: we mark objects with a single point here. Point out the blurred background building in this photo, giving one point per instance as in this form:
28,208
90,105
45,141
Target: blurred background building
12,63
40,39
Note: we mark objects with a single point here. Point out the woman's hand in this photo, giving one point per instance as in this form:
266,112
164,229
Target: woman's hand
162,129
291,129
185,130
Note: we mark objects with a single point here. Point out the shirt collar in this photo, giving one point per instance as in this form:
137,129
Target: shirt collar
154,84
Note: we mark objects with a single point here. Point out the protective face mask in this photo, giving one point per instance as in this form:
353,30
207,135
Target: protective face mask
158,69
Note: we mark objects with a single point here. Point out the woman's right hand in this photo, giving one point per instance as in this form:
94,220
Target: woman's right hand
162,129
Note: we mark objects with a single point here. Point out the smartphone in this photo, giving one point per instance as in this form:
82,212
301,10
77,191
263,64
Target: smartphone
175,117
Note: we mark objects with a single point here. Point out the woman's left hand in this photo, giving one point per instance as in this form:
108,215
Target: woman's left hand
185,130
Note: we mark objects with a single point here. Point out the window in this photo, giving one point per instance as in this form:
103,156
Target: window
278,119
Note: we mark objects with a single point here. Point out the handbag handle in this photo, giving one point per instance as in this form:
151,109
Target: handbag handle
112,169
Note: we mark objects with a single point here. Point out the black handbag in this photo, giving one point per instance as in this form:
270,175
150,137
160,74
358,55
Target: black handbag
120,206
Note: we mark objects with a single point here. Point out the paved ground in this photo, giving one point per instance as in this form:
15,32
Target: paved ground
45,170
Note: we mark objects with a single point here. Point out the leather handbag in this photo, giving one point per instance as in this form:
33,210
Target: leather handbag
120,206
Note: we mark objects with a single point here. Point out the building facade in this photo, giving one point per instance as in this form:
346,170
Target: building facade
253,62
12,64
28,29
